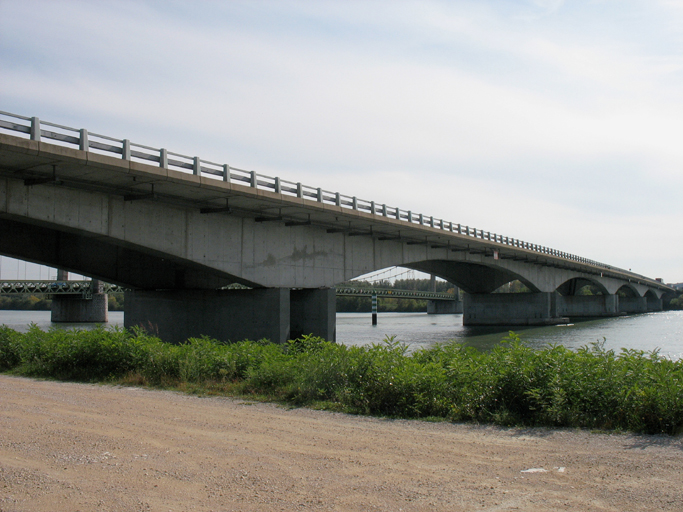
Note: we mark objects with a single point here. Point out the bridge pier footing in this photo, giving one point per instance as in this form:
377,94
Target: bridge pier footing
277,314
74,309
511,309
444,307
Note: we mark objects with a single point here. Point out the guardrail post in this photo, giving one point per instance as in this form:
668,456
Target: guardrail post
384,209
337,199
299,190
252,179
372,207
410,216
319,195
226,173
163,158
354,203
278,186
398,213
125,150
196,166
83,143
35,129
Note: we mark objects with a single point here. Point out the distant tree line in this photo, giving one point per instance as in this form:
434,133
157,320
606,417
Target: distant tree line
35,303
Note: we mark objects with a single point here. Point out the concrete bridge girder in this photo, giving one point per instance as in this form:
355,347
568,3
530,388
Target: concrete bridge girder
174,247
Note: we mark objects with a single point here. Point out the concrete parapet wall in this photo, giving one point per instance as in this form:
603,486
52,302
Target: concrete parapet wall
587,305
71,309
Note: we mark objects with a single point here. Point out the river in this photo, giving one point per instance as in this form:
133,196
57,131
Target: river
651,331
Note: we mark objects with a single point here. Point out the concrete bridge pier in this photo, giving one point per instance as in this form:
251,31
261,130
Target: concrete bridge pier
76,309
444,307
588,306
538,308
278,314
654,303
633,305
313,311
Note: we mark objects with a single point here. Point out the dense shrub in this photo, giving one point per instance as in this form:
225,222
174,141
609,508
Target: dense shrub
510,385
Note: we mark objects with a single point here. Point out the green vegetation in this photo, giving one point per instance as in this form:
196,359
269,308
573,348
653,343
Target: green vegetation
22,302
509,385
676,303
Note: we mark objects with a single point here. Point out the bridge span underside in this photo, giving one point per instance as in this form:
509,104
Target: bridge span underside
176,238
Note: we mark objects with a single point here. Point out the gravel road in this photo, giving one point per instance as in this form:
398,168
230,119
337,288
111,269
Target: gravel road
78,447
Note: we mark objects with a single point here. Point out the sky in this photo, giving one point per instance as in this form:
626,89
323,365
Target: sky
558,123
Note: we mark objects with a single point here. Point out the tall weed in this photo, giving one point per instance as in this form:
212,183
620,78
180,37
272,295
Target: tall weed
511,384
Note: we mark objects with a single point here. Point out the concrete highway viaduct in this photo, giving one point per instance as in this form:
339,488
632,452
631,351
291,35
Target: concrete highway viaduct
176,229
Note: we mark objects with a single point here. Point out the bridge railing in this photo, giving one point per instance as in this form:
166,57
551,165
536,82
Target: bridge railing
82,288
38,130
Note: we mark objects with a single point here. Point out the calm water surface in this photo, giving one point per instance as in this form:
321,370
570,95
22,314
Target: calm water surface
663,331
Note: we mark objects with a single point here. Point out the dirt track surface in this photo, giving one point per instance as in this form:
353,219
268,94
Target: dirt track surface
68,447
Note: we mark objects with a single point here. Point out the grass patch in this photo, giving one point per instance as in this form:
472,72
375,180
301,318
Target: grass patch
511,384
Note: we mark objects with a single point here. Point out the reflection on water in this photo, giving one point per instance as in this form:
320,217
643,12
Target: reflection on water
663,331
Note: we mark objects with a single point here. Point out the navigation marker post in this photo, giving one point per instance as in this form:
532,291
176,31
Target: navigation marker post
374,309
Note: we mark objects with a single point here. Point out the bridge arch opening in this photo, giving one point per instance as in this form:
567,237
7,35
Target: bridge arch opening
627,291
581,286
650,295
472,278
515,286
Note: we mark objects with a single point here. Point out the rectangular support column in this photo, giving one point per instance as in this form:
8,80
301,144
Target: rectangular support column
654,304
588,306
74,309
633,305
226,315
313,311
511,309
444,307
